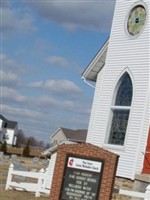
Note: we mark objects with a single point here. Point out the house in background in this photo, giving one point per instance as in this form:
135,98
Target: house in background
8,131
65,135
119,120
3,126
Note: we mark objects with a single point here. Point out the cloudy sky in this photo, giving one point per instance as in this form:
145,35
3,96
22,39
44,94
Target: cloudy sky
45,47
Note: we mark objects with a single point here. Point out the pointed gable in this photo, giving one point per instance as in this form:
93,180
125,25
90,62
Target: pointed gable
95,66
75,135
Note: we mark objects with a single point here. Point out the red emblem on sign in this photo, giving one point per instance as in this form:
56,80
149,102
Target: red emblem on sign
71,162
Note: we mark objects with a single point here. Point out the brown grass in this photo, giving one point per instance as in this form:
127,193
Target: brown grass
18,195
14,194
19,151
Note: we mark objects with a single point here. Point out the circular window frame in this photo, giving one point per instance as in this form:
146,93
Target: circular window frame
136,4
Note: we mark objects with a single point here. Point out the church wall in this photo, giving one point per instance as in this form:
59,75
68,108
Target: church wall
131,55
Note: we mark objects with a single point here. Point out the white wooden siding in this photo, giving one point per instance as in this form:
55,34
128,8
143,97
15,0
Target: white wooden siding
123,54
10,133
1,122
143,142
58,137
51,170
94,110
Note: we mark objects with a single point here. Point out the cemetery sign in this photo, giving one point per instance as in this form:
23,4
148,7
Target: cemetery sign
82,178
83,172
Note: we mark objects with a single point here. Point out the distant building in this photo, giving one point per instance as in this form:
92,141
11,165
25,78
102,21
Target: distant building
65,135
8,131
3,125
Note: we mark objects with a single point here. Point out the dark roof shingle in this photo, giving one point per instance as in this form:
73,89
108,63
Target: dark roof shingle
8,123
78,135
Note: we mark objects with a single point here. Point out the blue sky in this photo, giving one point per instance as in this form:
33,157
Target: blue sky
45,47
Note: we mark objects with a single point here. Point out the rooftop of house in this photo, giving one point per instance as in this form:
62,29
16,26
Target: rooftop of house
3,118
8,123
78,135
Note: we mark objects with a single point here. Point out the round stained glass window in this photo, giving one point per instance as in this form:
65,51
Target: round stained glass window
136,20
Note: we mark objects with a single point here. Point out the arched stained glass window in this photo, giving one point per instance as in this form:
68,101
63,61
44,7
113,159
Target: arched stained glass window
124,93
120,111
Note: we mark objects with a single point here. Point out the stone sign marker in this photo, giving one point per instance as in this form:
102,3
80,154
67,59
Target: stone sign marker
83,172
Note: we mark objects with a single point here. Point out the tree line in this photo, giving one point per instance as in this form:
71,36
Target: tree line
24,142
22,139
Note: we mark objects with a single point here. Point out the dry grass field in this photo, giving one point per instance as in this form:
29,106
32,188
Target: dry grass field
22,195
14,194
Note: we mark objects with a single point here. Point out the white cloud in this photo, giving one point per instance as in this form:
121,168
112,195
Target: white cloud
59,86
9,79
46,101
57,60
6,62
62,85
19,112
95,15
15,19
2,57
63,105
38,84
10,71
12,95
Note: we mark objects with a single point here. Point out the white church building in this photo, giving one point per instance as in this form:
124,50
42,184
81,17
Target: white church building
119,120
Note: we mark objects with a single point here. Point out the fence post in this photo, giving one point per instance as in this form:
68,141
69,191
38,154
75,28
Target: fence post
40,182
9,176
45,178
147,193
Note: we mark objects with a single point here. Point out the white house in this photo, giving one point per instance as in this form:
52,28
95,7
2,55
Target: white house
119,119
8,131
63,135
66,134
3,125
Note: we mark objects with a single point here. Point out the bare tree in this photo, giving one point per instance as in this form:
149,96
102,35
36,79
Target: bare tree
21,138
33,141
41,144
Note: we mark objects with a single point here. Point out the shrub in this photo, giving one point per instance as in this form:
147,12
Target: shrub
26,150
4,147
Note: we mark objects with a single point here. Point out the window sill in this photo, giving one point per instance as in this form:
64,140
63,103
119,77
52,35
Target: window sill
114,147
